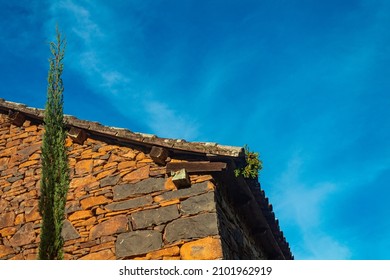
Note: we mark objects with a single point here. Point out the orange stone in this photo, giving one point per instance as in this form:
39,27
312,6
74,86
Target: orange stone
7,231
130,155
84,166
104,174
5,251
107,245
137,175
3,163
140,156
170,202
93,201
126,164
110,165
19,219
101,255
32,214
31,128
82,182
111,226
7,219
172,251
83,214
169,185
28,163
107,148
171,258
202,249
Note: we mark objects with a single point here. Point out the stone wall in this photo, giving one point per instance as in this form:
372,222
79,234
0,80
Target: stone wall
120,205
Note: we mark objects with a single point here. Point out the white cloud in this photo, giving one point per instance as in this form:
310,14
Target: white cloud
96,52
303,207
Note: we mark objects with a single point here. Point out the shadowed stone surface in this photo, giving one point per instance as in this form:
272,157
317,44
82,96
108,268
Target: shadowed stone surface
144,187
197,204
137,242
152,217
182,193
25,235
68,231
129,204
110,181
193,227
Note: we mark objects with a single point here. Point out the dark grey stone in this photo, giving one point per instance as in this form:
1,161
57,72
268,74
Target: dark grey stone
15,178
110,181
68,231
137,243
183,193
153,217
143,187
200,203
129,204
199,226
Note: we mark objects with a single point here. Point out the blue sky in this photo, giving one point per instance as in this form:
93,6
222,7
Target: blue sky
305,83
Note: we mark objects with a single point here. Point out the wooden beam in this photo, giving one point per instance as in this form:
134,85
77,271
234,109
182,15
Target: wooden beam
196,166
17,118
78,135
159,155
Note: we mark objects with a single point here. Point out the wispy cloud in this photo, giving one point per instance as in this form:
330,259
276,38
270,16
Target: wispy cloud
97,55
302,207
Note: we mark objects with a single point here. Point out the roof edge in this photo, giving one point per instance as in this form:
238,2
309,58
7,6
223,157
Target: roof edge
205,148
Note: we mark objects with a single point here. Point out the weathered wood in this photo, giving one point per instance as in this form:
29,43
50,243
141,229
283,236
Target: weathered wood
158,154
78,135
17,118
196,166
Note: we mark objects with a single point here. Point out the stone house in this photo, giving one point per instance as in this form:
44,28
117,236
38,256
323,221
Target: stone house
133,196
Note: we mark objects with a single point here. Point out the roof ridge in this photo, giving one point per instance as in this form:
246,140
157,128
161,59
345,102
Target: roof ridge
125,134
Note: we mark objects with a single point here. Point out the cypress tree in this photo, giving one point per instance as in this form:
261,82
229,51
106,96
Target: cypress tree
55,170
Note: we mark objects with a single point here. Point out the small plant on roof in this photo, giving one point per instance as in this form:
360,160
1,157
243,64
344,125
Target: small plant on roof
252,167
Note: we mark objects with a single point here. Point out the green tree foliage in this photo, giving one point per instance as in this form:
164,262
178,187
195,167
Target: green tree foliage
55,169
252,167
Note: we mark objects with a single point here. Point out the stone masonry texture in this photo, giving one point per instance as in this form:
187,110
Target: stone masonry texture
120,204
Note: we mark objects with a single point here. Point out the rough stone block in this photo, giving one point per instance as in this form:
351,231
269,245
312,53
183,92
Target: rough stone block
144,187
84,166
7,219
25,235
137,243
5,251
117,224
153,217
184,193
199,226
129,204
101,255
83,214
126,164
110,181
200,203
68,231
82,182
89,202
138,174
32,214
166,252
203,249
